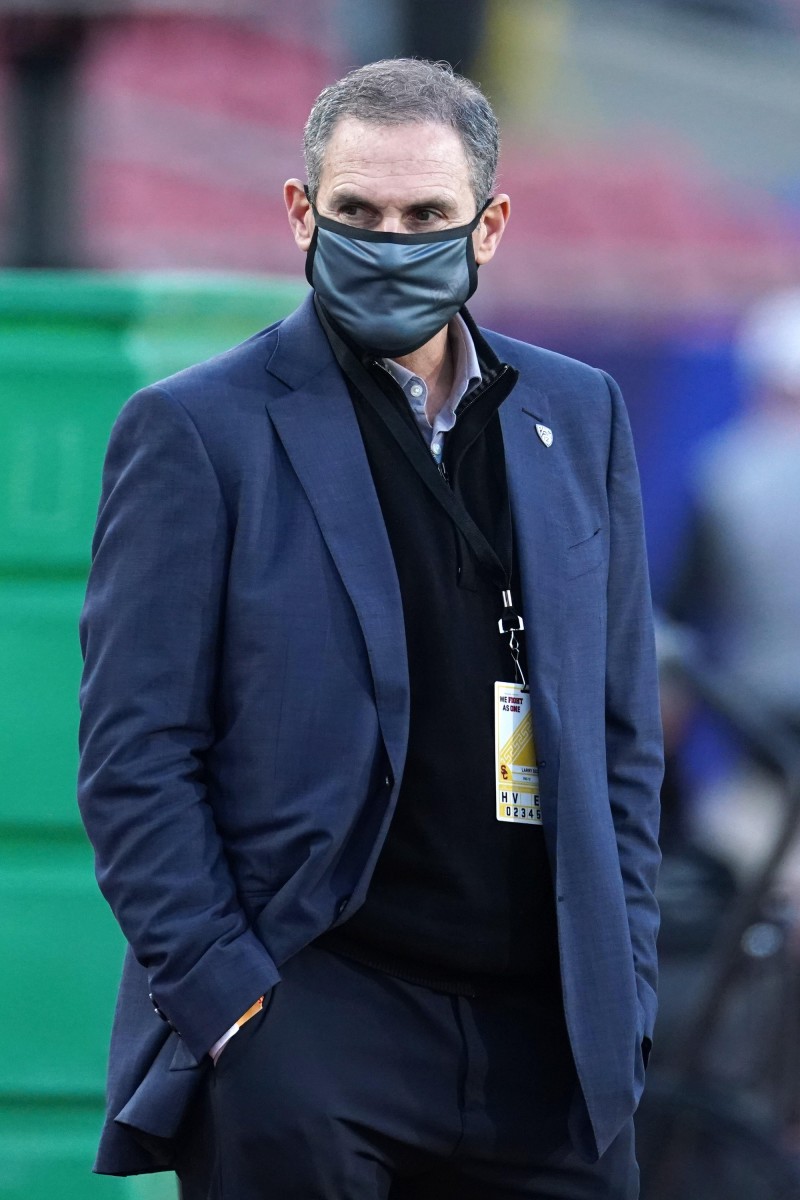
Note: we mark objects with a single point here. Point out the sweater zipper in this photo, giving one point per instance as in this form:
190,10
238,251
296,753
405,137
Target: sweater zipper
470,399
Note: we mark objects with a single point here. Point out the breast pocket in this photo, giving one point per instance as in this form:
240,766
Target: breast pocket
586,554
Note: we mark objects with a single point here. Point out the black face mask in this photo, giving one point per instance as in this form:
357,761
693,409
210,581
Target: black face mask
391,292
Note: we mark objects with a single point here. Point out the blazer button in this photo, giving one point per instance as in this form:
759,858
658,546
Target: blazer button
342,905
160,1012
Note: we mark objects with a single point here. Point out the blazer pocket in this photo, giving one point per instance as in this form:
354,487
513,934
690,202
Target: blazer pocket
585,555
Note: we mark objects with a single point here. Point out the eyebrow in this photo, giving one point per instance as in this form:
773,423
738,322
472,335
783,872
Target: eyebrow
355,198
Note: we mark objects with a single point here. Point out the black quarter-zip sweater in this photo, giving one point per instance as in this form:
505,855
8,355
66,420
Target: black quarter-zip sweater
458,898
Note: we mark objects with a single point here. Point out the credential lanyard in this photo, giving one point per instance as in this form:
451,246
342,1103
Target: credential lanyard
409,442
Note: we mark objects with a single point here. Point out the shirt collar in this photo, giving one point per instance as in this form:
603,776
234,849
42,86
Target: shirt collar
466,368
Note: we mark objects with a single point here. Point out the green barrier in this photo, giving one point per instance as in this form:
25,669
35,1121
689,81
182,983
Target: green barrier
73,347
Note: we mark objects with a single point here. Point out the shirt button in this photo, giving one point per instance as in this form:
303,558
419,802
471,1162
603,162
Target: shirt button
416,389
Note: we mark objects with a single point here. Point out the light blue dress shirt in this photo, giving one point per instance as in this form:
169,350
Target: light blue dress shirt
466,372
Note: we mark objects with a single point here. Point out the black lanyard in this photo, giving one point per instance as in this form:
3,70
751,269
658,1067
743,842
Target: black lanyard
378,394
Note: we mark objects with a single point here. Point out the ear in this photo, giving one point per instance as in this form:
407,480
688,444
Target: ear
301,217
486,237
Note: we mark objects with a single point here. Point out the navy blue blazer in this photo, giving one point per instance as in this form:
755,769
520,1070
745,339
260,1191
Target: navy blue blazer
245,704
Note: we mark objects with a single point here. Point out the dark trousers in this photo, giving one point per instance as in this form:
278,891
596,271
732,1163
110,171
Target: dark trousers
352,1085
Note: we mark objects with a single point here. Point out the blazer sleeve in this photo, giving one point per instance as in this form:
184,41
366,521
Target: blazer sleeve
150,635
634,748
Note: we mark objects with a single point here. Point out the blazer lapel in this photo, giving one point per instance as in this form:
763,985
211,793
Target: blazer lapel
531,467
318,428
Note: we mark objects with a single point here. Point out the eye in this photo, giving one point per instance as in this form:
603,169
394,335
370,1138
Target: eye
426,216
353,213
419,219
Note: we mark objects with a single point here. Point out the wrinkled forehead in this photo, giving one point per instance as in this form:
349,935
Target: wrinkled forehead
398,158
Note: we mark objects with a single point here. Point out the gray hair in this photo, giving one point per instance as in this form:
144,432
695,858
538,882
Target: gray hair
399,91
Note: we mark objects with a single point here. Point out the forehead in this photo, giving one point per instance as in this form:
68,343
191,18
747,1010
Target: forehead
406,159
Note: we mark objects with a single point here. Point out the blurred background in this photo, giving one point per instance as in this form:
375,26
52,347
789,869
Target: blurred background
652,153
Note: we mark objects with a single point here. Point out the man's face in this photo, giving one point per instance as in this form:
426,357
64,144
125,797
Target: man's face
396,178
408,178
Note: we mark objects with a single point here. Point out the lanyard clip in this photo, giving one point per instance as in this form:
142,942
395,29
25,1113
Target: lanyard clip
509,622
513,624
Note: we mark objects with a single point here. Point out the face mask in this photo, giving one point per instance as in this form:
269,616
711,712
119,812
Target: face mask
391,292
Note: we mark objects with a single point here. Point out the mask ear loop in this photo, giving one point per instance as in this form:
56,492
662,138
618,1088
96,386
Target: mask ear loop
312,249
310,255
472,266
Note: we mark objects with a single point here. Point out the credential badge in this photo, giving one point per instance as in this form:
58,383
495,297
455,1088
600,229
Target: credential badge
545,434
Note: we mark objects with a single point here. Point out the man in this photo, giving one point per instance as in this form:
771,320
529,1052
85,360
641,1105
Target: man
737,579
398,952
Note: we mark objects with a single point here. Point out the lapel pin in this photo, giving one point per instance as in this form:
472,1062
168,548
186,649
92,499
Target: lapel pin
545,434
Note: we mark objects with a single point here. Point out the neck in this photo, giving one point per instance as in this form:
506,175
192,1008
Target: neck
433,362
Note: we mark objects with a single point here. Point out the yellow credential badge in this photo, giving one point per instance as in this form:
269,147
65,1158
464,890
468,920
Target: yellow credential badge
517,776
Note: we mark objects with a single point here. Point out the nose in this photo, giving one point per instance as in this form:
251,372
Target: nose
390,224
